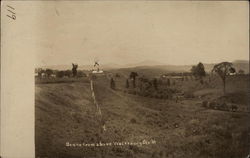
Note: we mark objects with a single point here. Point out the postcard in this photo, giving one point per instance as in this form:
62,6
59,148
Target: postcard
125,79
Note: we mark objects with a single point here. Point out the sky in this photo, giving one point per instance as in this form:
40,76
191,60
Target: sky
123,32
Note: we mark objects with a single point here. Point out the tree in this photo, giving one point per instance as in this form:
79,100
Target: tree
127,83
168,82
112,83
133,76
39,72
198,71
155,83
81,74
68,73
193,70
48,72
60,74
223,69
74,69
117,75
173,83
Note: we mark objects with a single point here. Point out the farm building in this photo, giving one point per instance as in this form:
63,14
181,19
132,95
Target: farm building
97,71
172,77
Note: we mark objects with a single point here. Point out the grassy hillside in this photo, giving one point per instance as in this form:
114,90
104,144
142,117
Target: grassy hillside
65,112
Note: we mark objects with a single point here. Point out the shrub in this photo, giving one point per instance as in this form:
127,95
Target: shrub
133,120
117,75
189,95
223,106
59,74
234,108
212,104
68,73
127,83
93,77
81,74
112,83
204,103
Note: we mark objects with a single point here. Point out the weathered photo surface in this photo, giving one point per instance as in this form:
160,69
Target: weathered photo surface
141,79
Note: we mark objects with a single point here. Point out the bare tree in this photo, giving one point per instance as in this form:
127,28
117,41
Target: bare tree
74,69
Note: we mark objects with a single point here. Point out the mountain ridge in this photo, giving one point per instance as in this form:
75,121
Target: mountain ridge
238,64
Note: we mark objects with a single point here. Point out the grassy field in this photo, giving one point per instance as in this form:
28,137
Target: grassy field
60,80
65,112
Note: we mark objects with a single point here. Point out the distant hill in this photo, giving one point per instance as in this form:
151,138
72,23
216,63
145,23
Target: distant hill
150,67
241,61
81,67
241,64
153,70
156,70
144,63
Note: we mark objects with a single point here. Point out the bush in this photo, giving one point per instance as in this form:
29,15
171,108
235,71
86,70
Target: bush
93,77
81,74
59,74
189,95
223,106
204,103
133,120
212,105
68,73
234,108
117,75
112,83
48,72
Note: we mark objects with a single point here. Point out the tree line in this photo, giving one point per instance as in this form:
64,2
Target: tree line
48,73
222,69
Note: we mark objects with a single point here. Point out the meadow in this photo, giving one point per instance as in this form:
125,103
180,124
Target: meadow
180,123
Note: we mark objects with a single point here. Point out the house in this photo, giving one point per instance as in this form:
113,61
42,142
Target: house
232,74
173,77
97,71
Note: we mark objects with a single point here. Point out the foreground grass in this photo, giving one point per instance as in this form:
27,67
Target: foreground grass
60,80
65,112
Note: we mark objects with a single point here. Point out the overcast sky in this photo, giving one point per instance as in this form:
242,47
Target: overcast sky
129,32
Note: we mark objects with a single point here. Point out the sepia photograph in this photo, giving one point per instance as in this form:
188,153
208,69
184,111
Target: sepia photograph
139,79
143,79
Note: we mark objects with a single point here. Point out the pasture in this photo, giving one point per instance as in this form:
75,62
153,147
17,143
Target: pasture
181,128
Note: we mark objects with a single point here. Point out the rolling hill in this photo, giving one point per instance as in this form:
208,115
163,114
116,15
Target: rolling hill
65,112
150,67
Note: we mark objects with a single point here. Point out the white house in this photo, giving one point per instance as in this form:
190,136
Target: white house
97,71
